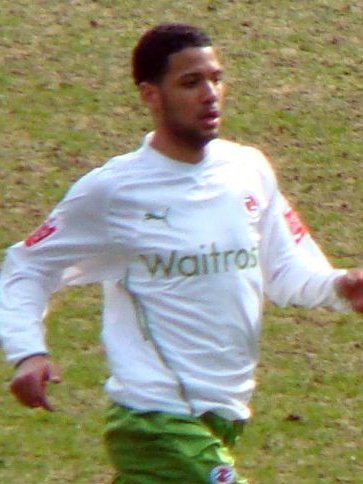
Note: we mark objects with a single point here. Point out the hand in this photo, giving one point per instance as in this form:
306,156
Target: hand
28,384
350,288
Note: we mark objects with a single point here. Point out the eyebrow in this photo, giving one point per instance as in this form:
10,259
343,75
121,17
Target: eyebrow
217,72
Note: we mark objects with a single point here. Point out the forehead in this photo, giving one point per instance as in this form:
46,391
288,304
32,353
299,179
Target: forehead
193,60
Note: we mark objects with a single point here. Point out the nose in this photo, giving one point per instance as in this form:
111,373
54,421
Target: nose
209,92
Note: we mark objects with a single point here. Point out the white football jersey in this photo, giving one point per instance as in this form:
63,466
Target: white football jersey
186,254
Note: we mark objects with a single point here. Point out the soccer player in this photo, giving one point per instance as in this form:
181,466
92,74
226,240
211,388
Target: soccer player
188,234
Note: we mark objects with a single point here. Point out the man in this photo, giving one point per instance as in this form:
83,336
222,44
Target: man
186,234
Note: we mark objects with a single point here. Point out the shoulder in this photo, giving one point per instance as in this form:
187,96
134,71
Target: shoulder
101,182
243,157
237,151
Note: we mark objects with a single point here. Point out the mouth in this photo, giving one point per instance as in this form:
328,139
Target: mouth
210,119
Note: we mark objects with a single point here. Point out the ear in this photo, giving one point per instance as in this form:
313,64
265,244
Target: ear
149,94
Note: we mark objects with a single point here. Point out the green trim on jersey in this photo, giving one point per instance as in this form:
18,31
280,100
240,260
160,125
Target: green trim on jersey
144,326
156,447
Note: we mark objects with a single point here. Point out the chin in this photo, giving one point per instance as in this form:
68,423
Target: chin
203,140
196,138
211,135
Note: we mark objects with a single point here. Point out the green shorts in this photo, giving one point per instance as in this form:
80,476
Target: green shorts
158,448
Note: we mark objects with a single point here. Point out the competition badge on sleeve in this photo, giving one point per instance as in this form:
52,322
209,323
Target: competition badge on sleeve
42,232
295,225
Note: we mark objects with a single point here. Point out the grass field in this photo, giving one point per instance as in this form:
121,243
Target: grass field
294,73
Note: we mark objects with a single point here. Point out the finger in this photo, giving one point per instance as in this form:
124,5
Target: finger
357,305
354,278
53,374
44,403
50,374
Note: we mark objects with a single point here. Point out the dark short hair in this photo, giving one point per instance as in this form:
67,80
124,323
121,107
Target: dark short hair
151,53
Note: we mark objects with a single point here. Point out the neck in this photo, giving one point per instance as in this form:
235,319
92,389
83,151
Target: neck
176,149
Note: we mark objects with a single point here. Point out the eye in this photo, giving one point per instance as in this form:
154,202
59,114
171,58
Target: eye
218,77
190,82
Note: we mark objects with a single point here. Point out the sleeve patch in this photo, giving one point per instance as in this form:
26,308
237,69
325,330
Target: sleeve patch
297,228
40,233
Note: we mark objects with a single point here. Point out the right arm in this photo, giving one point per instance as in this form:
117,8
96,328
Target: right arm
73,246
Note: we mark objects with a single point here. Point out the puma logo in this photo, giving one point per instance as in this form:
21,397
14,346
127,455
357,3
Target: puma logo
161,216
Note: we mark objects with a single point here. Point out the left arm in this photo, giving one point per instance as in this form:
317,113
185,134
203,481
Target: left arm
295,270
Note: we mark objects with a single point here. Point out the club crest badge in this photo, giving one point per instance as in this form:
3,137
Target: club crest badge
251,206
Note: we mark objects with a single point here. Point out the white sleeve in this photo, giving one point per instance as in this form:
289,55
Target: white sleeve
73,246
295,270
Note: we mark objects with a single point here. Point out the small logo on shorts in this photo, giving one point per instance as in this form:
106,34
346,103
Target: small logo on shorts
222,474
